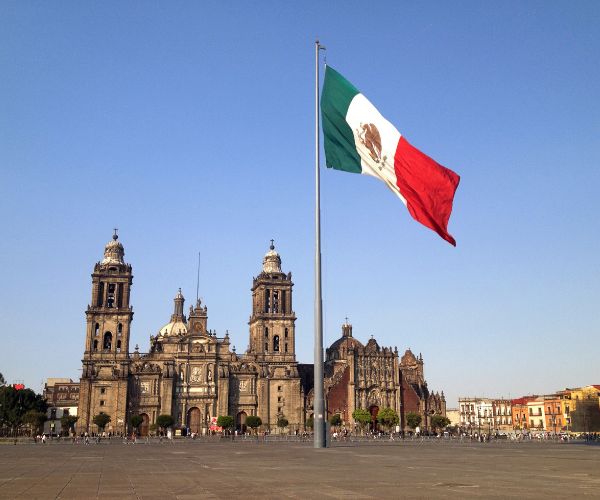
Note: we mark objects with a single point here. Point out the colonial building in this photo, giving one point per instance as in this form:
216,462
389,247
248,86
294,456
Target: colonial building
195,376
485,415
62,396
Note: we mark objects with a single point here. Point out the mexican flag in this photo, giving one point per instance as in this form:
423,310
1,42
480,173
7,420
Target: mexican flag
358,139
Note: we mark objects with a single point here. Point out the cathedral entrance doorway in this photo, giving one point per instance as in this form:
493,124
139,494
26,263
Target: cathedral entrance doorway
374,410
144,425
194,420
240,423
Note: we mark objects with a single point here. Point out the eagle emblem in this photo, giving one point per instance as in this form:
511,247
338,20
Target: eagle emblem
370,138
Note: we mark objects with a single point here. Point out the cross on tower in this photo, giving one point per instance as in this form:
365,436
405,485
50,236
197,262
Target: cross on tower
272,244
115,235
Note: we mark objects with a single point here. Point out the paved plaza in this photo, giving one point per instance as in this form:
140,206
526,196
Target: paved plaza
246,469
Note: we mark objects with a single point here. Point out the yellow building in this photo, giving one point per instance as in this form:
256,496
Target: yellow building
582,408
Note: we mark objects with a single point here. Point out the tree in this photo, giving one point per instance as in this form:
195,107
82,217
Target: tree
136,421
388,418
2,380
253,422
413,420
34,419
335,420
362,417
439,422
101,420
310,422
67,423
225,421
14,404
282,422
165,421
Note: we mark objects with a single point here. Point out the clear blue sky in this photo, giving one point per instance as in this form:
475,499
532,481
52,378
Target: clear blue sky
189,126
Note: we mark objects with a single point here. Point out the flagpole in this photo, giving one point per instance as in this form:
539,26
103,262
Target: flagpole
318,402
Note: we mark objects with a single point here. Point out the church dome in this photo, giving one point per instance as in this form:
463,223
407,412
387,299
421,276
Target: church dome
344,343
178,324
173,328
114,251
272,261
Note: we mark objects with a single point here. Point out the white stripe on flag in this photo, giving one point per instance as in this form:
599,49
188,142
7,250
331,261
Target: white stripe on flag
361,115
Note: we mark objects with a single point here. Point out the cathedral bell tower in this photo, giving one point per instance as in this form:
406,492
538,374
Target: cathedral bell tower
109,315
103,385
272,324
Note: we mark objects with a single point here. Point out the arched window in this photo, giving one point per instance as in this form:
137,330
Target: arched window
107,344
100,294
118,346
97,329
276,343
286,347
286,333
266,347
120,329
110,297
95,345
266,333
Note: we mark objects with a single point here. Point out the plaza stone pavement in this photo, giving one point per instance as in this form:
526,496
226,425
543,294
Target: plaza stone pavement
245,469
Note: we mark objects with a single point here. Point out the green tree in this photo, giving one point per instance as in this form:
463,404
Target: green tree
101,420
35,420
362,417
388,418
2,380
253,422
165,421
136,421
14,404
67,423
439,422
282,422
225,421
335,420
310,422
413,420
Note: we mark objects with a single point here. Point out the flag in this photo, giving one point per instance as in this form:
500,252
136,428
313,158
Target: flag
358,139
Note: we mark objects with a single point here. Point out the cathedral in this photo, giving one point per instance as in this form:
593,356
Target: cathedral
195,376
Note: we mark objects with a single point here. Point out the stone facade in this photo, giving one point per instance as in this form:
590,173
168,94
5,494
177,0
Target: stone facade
373,377
195,376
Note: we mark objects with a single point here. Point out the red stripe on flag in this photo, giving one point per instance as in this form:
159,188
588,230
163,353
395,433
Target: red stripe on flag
427,186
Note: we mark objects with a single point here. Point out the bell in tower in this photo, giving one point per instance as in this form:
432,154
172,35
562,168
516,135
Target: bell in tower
272,324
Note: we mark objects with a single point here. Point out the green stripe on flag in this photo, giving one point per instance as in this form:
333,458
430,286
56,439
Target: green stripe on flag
340,150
